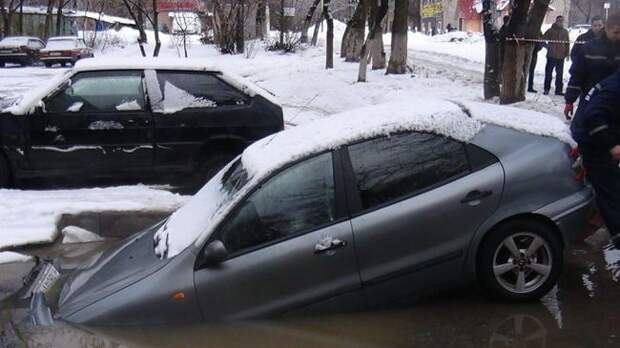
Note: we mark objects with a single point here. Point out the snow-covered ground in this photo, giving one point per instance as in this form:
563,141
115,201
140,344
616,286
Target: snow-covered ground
448,66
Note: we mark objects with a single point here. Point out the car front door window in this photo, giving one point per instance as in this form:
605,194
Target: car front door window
299,199
100,92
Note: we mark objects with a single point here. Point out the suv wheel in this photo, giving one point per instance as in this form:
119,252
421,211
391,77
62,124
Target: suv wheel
5,173
520,261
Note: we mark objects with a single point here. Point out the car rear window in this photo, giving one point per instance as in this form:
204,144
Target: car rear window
14,41
390,168
65,44
190,89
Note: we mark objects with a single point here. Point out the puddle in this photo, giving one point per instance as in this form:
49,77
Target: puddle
567,316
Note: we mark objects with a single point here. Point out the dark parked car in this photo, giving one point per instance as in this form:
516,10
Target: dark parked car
22,50
65,50
138,119
370,206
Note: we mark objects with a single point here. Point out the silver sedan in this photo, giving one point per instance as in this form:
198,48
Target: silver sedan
368,207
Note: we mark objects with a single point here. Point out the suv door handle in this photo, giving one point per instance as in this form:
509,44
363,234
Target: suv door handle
474,197
329,244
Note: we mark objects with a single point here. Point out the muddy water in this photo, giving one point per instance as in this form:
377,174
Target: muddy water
583,311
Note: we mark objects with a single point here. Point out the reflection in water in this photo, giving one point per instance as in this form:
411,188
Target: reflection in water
519,330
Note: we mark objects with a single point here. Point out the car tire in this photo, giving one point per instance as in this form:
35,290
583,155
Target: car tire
5,173
520,260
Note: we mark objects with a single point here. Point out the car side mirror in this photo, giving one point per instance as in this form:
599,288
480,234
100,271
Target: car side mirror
214,253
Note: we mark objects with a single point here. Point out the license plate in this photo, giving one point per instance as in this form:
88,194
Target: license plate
44,280
55,54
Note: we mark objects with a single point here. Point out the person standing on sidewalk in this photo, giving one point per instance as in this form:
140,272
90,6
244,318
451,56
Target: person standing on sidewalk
596,60
595,32
596,128
558,49
530,81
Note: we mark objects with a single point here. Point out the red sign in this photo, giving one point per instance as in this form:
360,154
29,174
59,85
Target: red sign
467,11
172,5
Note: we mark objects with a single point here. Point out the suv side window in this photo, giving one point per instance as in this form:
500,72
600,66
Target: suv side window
100,91
390,168
299,199
194,89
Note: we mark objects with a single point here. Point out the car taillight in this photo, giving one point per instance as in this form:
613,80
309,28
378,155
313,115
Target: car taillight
580,171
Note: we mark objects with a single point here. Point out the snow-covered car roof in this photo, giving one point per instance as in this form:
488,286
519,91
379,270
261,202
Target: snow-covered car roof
62,38
17,40
460,121
33,99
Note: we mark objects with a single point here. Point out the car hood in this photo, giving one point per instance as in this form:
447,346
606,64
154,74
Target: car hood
127,263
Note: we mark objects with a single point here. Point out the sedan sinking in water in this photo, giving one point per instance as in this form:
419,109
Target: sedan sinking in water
370,206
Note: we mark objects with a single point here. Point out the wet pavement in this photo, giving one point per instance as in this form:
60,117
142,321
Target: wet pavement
582,311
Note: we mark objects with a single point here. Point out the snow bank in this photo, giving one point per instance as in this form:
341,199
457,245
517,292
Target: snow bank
522,120
458,36
11,257
30,217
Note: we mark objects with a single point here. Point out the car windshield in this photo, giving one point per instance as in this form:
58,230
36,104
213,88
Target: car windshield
194,218
64,44
14,41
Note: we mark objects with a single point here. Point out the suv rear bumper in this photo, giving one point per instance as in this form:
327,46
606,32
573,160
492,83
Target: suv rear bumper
571,213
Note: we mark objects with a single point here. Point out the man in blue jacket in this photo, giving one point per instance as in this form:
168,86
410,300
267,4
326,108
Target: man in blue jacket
596,60
596,128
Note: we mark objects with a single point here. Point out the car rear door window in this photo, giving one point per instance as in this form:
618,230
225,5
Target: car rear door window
387,169
193,89
299,199
101,91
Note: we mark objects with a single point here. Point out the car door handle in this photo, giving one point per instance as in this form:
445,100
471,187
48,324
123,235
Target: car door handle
476,195
328,244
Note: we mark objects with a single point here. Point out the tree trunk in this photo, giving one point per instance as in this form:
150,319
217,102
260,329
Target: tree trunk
21,17
377,49
140,24
308,21
156,29
356,28
492,53
374,31
59,21
317,26
398,56
48,19
329,49
525,22
240,27
282,23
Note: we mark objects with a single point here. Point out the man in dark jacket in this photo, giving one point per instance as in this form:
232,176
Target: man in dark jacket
558,49
595,31
597,60
596,128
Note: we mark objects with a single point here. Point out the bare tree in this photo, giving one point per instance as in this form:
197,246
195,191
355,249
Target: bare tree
48,18
7,11
375,30
139,9
329,49
353,38
308,20
492,52
400,27
59,16
377,49
525,22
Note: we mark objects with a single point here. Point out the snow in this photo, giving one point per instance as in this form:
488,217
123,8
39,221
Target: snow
13,257
129,106
30,217
552,303
74,234
522,120
102,17
423,115
585,278
104,125
177,99
75,107
612,258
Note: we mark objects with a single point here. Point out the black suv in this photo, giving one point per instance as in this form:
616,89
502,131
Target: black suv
135,120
